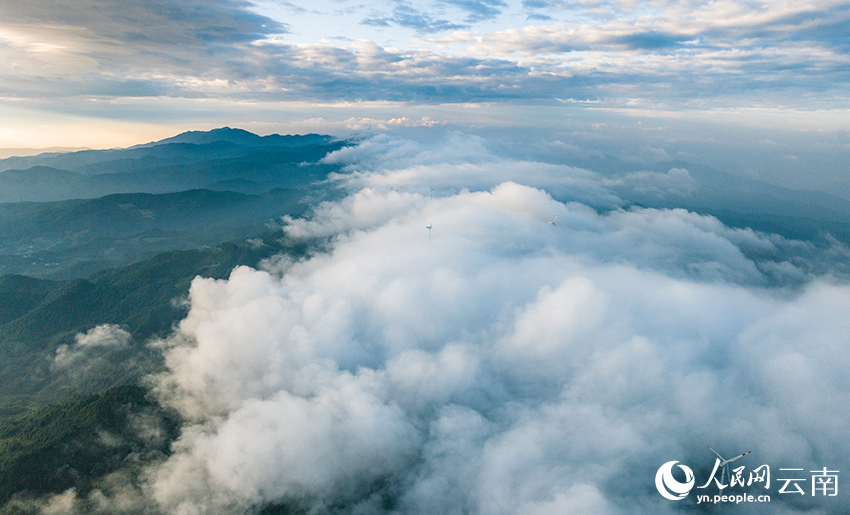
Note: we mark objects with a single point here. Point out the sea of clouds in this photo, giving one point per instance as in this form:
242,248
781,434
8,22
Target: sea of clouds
498,363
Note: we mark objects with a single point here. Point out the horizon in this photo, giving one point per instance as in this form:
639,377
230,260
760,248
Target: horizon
768,81
799,168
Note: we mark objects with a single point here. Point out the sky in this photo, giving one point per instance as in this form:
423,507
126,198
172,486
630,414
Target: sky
685,77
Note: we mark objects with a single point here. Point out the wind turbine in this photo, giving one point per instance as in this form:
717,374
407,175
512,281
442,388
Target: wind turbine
552,223
430,197
724,463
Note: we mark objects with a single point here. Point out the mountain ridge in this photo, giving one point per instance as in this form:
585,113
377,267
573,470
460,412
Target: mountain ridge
79,160
173,166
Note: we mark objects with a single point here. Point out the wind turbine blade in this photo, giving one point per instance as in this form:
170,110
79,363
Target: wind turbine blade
715,453
730,460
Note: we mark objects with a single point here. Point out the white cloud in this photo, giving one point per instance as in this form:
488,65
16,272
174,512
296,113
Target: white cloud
734,53
101,337
505,365
106,335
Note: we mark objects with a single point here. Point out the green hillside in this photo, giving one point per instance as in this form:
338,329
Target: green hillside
68,426
75,238
116,252
139,298
71,444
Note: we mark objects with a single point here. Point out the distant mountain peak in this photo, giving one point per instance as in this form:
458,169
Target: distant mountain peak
226,134
240,137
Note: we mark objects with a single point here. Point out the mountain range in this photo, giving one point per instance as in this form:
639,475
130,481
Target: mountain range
223,159
69,215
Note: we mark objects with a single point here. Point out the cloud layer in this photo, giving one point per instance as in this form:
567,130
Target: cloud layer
503,364
673,53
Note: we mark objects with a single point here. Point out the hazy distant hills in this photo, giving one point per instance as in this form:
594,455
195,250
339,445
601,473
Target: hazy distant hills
736,201
222,159
70,215
197,145
741,202
11,151
244,138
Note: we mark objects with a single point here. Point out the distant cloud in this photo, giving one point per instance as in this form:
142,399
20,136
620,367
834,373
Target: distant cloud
107,335
135,48
479,10
649,40
405,15
222,49
376,21
293,7
535,4
104,336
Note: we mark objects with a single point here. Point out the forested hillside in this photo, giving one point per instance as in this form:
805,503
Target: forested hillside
97,253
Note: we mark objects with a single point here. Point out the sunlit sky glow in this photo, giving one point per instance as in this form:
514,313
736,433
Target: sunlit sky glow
101,73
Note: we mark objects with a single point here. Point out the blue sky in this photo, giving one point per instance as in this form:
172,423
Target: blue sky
102,73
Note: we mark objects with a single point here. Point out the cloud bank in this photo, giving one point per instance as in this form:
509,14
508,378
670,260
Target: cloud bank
504,364
675,53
